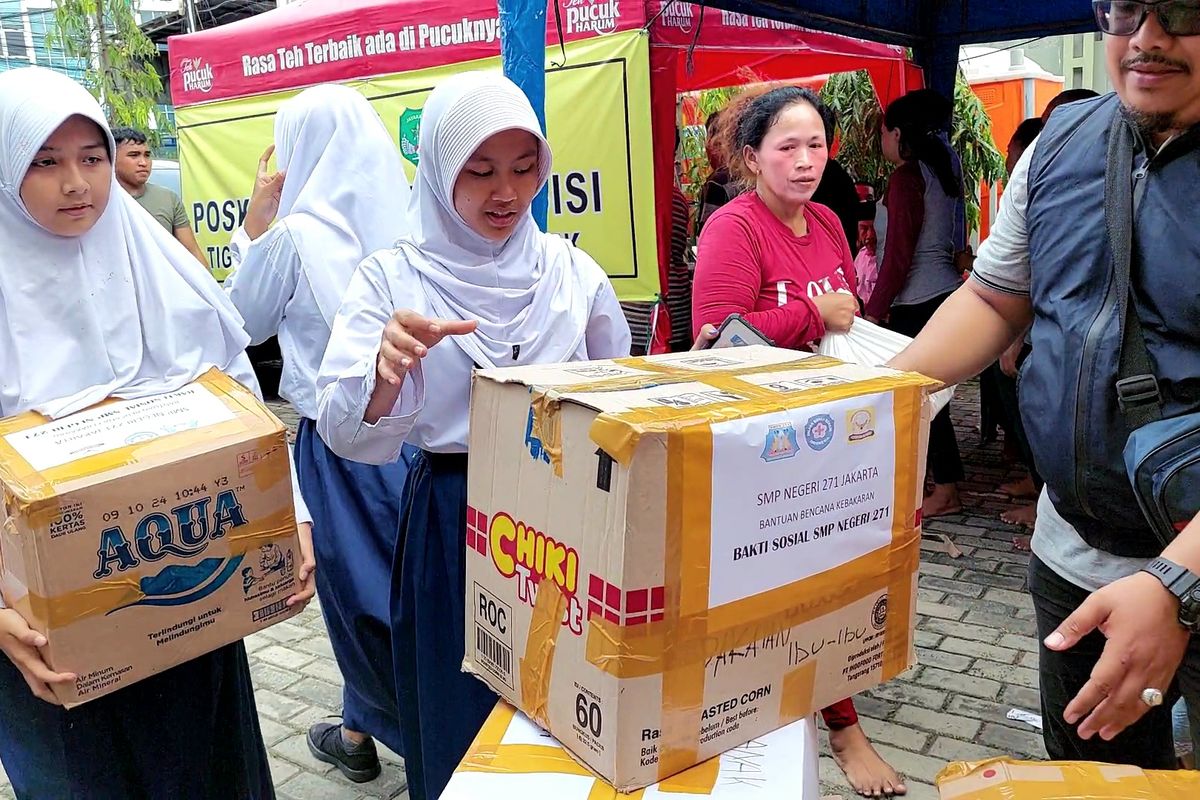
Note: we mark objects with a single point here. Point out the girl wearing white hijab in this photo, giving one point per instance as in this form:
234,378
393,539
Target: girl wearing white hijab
97,301
344,197
477,270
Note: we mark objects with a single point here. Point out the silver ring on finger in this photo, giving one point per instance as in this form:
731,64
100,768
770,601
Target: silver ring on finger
1152,697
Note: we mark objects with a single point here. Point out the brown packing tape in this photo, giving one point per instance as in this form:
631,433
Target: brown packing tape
523,759
699,780
798,687
122,590
489,755
619,433
907,408
687,556
669,374
274,466
547,427
31,485
1005,779
538,662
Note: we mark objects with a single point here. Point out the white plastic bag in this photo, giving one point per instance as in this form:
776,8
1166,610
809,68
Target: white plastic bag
872,346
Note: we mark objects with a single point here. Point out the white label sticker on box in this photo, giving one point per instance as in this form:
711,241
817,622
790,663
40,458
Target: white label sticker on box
116,425
799,492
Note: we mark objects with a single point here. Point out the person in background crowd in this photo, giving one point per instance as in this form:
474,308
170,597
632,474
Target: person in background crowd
134,165
918,271
837,190
474,284
866,263
1064,97
1115,647
1004,374
679,274
85,275
344,197
783,262
642,316
720,188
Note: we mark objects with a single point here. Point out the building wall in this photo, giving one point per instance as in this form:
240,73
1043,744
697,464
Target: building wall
1083,62
25,24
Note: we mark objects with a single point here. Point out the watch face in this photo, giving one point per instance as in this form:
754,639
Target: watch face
1189,610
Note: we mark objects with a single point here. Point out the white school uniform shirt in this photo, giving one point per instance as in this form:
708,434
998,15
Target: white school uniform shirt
536,298
345,196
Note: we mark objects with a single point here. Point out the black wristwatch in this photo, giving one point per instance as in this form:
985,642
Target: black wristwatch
1182,583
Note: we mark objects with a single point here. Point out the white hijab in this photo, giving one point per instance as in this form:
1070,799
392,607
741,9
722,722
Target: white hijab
524,292
345,194
123,310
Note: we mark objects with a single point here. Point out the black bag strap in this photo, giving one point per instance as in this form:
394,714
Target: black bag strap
1137,387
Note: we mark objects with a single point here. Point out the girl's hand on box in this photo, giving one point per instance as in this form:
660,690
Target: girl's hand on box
20,643
308,568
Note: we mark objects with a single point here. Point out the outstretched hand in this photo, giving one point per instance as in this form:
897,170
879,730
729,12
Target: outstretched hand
408,338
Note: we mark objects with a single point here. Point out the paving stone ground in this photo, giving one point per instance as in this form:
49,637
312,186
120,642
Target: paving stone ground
975,639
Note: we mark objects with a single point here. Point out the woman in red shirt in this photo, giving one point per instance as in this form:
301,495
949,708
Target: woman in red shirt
784,264
772,256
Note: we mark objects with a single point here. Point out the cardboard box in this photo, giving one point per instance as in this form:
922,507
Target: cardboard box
669,557
512,759
140,534
1002,779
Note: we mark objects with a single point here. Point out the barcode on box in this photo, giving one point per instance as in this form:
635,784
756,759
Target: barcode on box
267,612
494,655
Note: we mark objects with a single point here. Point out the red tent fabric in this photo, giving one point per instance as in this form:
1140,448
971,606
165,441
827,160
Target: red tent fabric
691,48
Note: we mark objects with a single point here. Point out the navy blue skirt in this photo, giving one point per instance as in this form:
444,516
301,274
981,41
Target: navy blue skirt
355,510
441,707
190,733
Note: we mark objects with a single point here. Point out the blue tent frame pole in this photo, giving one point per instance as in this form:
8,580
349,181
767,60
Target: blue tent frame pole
939,59
523,58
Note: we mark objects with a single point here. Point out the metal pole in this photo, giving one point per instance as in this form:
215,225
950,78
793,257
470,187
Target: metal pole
189,7
523,57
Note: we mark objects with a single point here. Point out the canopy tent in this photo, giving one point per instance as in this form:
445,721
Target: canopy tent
315,41
935,29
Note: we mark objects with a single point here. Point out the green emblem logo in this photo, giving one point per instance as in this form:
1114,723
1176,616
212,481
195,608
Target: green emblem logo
410,134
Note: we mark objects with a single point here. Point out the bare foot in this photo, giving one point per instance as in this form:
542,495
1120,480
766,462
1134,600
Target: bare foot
942,501
1020,490
865,769
1020,515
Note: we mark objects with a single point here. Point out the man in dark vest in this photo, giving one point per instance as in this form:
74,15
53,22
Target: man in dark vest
1115,619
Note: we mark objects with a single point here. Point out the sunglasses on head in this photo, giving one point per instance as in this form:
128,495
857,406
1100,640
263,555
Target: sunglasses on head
1125,17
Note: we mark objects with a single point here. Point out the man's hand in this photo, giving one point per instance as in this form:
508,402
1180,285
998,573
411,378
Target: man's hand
20,644
1146,644
264,200
306,578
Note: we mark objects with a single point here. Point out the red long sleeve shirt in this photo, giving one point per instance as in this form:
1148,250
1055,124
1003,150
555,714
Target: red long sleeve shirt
750,263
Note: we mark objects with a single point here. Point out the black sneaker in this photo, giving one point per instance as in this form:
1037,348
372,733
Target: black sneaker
359,765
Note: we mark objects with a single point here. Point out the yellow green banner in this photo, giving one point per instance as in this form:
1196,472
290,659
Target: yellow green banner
601,192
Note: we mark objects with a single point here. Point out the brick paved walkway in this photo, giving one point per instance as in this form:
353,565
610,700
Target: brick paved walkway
975,637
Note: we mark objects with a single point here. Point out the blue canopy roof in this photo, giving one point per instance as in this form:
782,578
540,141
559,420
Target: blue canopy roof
935,29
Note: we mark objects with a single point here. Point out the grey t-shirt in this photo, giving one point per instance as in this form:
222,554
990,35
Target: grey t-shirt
1003,265
165,206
